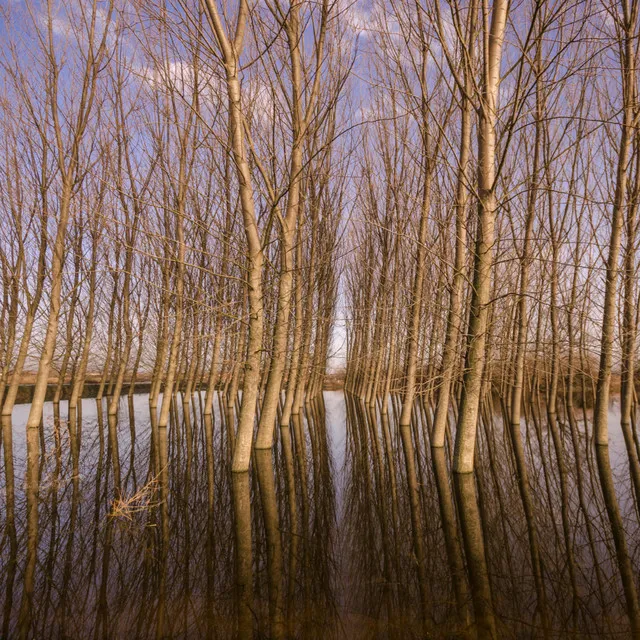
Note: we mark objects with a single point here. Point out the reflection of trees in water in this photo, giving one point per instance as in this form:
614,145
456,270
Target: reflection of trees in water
500,525
382,564
136,532
142,530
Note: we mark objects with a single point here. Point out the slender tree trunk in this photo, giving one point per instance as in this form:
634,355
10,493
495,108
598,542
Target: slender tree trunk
455,301
475,348
78,383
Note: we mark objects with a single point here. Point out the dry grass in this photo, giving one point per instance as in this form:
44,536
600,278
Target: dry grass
125,508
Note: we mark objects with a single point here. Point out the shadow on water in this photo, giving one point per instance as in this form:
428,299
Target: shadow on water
351,527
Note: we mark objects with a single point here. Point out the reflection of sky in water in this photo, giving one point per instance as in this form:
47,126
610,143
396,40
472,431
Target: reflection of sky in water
336,418
335,422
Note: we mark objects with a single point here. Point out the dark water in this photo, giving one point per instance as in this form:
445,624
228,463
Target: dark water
350,529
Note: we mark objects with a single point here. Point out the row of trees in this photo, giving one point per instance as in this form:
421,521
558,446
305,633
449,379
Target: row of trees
497,226
171,202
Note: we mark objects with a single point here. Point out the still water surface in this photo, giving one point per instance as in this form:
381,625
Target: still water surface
349,529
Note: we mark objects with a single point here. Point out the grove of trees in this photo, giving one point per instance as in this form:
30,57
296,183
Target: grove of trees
437,198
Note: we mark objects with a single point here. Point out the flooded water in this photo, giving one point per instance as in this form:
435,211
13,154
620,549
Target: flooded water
350,528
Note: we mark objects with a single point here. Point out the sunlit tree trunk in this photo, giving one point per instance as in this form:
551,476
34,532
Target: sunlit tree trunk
475,347
454,316
230,50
